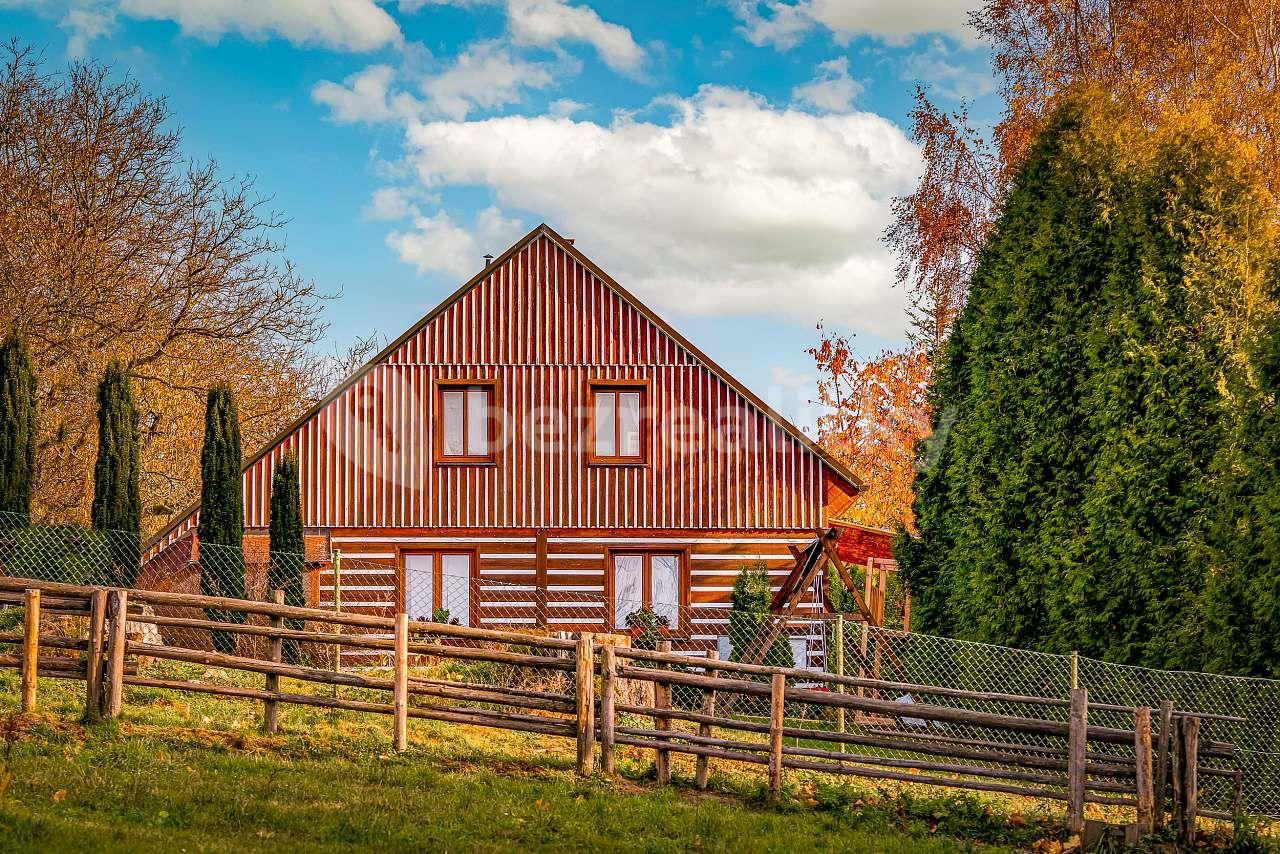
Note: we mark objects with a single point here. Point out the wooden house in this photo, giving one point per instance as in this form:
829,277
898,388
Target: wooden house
541,431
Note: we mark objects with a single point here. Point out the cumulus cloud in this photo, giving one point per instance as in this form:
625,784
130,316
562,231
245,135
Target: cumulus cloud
487,76
437,244
783,24
546,23
350,25
832,90
353,25
364,97
730,207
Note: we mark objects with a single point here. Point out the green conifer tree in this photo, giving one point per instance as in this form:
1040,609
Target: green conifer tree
17,431
1078,411
117,505
288,546
221,527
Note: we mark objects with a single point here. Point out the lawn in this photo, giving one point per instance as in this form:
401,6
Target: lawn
188,772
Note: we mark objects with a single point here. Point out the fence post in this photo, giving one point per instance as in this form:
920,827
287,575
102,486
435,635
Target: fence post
540,583
337,609
275,652
608,692
400,697
1075,669
585,685
113,694
1189,744
1162,759
30,651
1178,780
702,769
1077,738
841,720
777,714
662,701
94,655
1144,783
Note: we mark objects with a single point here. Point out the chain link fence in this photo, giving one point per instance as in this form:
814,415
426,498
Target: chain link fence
1244,712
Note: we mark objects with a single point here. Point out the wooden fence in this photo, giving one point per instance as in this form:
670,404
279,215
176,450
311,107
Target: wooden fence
729,710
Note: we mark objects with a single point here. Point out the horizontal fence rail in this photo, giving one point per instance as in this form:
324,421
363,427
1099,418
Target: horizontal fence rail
603,694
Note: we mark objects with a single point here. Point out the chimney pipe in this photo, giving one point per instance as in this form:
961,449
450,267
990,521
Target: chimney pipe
488,259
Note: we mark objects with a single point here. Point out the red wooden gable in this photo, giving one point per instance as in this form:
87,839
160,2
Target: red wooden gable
542,322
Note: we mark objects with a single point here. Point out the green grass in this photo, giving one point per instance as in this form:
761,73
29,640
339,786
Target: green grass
188,772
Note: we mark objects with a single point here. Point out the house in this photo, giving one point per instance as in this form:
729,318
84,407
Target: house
542,449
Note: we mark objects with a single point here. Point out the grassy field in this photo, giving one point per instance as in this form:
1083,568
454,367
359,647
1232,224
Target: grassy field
190,773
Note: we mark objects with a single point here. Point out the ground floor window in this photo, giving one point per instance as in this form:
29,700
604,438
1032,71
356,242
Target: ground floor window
437,586
649,580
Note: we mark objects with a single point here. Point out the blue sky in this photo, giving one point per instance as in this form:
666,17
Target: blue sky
729,161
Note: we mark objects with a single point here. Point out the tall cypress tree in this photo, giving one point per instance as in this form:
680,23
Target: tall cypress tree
17,431
221,528
287,543
1077,404
117,505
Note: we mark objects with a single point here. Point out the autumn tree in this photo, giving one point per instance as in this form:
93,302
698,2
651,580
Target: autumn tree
875,413
1158,58
115,247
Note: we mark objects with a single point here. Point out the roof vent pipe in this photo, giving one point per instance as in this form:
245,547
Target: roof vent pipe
488,259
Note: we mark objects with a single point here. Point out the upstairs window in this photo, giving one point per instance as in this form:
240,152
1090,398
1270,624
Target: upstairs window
464,422
617,424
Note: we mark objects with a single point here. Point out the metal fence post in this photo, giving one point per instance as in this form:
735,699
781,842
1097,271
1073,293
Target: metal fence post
30,650
584,674
841,720
337,609
1077,738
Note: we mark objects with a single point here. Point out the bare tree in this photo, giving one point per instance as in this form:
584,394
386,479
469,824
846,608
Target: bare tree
114,245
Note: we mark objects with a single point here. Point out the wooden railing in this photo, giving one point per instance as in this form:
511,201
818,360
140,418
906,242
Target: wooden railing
732,711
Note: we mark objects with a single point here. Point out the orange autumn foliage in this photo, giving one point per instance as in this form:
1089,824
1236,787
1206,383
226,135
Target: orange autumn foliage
1159,58
877,411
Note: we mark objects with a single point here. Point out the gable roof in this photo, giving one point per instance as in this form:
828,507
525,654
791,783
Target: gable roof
837,467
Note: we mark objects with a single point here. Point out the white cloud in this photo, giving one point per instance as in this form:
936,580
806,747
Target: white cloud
832,90
361,97
564,107
486,75
437,244
733,207
353,25
546,23
940,66
391,203
783,24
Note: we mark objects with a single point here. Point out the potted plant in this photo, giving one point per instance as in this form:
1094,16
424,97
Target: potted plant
647,627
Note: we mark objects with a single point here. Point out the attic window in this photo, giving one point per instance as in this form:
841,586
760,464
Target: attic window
617,433
465,427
